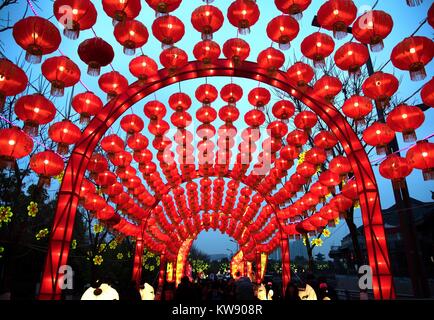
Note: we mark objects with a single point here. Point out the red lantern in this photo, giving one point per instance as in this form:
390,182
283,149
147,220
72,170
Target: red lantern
427,93
341,203
121,159
163,6
113,83
254,118
158,127
154,110
289,153
143,157
431,16
64,133
229,114
349,190
396,169
306,169
13,80
137,142
325,140
283,110
34,110
61,72
206,94
106,213
112,144
206,51
96,53
297,138
271,59
132,124
282,30
94,203
121,10
87,104
412,54
327,87
380,87
180,101
46,164
231,93
37,36
132,35
406,119
378,135
168,30
87,188
319,190
305,120
317,47
14,144
105,179
277,129
337,15
207,19
243,14
181,119
173,58
293,7
351,57
206,114
341,166
300,74
237,50
259,97
421,156
97,164
372,28
75,15
357,108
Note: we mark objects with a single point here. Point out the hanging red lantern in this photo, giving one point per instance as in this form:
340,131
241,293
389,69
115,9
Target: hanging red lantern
121,10
154,110
37,36
317,47
380,87
341,166
13,80
206,94
79,15
297,138
207,19
341,204
378,135
173,59
86,104
427,93
315,155
254,118
181,119
305,120
325,140
207,51
112,144
231,93
87,188
337,15
357,108
294,8
46,164
289,153
34,110
64,133
143,156
396,169
306,169
349,190
430,18
206,114
283,110
282,30
143,67
96,53
351,57
243,14
372,28
105,179
131,34
229,114
180,101
61,72
113,83
237,50
406,119
121,159
277,129
271,59
259,97
158,127
132,124
14,145
94,203
300,74
421,156
137,142
97,164
319,190
327,87
168,30
412,54
163,6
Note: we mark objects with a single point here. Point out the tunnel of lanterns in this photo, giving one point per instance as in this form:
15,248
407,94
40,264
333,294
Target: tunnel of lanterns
207,178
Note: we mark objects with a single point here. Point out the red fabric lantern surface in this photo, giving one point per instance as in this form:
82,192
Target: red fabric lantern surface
297,138
168,30
112,144
143,157
46,164
325,140
340,165
105,179
320,190
87,188
350,191
259,97
357,108
132,124
396,169
372,28
282,30
237,50
34,110
341,203
289,153
61,72
329,212
421,156
96,53
427,93
14,144
380,87
406,119
206,94
74,15
271,59
329,179
306,169
113,83
106,213
37,36
181,119
431,15
137,142
378,135
412,54
231,93
254,118
120,10
158,127
315,156
351,57
86,104
277,129
94,203
305,120
229,114
97,164
206,114
207,51
243,14
131,34
292,7
337,16
300,74
13,80
143,67
121,159
327,87
179,101
317,47
164,6
154,110
207,19
173,58
64,133
283,110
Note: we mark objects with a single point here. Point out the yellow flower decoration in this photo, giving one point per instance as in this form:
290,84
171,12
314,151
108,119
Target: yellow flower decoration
337,221
317,241
326,233
32,209
328,195
151,268
99,192
129,254
74,244
59,177
98,260
113,244
42,234
102,246
357,205
120,256
146,267
97,228
1,251
304,241
5,215
301,157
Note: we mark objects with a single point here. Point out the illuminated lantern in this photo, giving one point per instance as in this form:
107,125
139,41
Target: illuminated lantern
421,156
412,54
131,35
180,101
297,138
64,133
121,10
34,110
173,59
207,51
282,30
372,28
229,114
427,93
87,188
306,169
237,50
113,83
132,124
329,179
341,204
144,156
349,190
357,108
431,15
97,164
94,203
112,144
37,36
121,159
46,164
283,110
378,135
254,118
317,47
13,80
158,127
105,179
206,114
181,119
380,87
231,93
396,169
340,165
325,140
106,213
300,74
207,19
351,57
337,16
154,110
75,15
327,87
168,30
206,94
14,145
259,97
277,129
305,120
143,67
271,59
315,156
406,119
137,142
243,14
86,104
162,7
293,7
96,53
61,72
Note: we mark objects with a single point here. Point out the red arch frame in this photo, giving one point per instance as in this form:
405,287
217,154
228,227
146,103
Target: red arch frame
61,233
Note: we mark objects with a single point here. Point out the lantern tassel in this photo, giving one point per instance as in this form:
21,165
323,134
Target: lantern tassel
63,148
84,118
417,72
428,174
381,149
72,33
2,102
57,89
377,46
409,136
94,69
414,3
31,129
